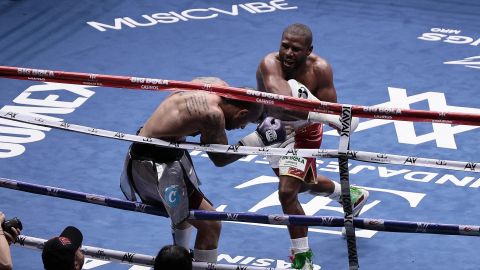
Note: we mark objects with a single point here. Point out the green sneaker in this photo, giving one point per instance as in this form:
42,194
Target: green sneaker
302,260
359,198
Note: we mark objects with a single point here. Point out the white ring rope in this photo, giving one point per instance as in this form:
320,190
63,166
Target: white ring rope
248,150
128,257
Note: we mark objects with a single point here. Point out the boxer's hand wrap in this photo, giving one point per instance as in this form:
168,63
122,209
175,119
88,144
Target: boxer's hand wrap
332,120
269,132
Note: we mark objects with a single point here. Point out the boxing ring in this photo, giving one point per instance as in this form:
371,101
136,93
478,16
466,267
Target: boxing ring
419,56
343,154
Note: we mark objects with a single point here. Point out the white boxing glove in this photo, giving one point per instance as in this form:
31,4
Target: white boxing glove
301,91
332,120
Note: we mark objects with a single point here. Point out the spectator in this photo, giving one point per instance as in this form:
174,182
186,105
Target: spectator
6,239
63,252
173,257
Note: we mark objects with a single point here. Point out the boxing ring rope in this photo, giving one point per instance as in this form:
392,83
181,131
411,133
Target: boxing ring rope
129,257
289,102
275,219
346,113
371,157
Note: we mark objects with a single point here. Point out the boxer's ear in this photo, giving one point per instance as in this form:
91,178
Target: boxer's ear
310,50
242,113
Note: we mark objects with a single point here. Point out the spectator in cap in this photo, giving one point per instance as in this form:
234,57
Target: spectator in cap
63,252
173,257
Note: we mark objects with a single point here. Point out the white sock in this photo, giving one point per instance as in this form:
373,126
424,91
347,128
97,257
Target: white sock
201,255
182,237
299,245
337,192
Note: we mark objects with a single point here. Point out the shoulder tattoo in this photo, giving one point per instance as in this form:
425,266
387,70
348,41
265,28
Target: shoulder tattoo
196,104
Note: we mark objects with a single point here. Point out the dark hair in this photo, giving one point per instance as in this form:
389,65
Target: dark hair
299,29
173,257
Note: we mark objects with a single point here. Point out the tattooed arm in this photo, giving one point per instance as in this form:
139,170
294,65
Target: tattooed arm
214,132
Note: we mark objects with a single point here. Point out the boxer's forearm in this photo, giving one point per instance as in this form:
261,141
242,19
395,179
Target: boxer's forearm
286,114
221,160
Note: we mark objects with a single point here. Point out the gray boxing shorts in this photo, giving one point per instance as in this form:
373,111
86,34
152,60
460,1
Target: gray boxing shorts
162,177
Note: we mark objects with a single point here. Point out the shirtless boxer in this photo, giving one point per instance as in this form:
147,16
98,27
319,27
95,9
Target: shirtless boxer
165,177
295,71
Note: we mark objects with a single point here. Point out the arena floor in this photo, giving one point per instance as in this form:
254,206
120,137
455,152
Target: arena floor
408,54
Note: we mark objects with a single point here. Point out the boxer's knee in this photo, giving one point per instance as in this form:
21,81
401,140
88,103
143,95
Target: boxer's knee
210,229
288,190
287,196
214,226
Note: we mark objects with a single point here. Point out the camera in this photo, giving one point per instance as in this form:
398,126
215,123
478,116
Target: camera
14,222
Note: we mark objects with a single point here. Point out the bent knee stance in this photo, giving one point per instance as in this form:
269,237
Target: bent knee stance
287,196
211,228
216,227
208,234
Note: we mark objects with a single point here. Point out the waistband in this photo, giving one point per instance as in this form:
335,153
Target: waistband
156,153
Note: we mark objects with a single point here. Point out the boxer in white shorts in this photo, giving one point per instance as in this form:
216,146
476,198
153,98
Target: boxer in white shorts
294,70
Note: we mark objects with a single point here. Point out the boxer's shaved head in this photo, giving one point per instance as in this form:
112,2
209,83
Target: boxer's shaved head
298,29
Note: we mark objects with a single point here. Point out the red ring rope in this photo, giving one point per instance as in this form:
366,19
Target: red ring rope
238,93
